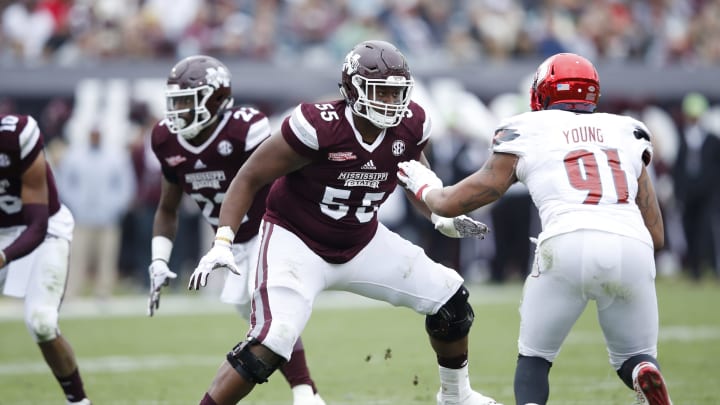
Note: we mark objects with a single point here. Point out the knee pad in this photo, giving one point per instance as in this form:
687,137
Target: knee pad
249,365
42,323
625,371
453,320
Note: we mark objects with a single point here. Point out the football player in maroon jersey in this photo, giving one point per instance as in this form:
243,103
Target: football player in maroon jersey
332,165
201,144
35,241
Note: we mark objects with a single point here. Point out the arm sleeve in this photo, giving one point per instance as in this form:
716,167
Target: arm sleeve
36,217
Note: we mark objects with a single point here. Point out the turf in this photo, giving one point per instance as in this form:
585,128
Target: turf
359,354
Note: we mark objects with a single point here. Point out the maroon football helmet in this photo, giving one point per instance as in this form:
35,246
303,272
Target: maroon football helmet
565,80
198,89
373,64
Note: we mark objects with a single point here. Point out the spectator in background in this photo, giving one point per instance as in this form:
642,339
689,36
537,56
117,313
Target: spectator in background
7,106
74,32
27,28
97,185
514,219
171,18
59,10
705,32
363,21
498,25
453,155
409,30
308,24
137,223
665,149
52,120
697,185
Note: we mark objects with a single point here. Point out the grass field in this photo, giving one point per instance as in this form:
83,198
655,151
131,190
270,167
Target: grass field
360,352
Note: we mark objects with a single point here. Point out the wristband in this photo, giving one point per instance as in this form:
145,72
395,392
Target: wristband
423,191
434,218
4,258
161,247
225,235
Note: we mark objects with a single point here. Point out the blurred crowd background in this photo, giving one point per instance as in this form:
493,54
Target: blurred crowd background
97,133
72,32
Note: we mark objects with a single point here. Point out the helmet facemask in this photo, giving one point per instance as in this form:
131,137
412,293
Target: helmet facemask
381,114
376,83
198,91
184,104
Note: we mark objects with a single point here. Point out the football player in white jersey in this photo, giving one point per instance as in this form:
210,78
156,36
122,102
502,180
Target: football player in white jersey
35,234
601,222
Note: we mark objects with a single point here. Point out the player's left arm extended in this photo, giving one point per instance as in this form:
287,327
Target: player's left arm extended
458,226
481,188
484,186
35,213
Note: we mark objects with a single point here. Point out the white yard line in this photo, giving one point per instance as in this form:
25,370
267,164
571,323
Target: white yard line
187,303
114,364
129,364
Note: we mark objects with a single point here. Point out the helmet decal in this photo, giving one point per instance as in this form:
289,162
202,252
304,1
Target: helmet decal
217,76
351,63
541,73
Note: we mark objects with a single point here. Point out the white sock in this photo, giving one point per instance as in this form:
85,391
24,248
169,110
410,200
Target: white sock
455,383
302,391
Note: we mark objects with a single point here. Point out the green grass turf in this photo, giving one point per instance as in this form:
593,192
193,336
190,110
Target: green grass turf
372,354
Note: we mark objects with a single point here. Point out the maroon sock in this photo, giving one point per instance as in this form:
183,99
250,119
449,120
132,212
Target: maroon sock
207,400
72,385
296,370
453,362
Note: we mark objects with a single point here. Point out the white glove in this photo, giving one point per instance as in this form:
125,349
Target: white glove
417,178
219,256
160,275
460,227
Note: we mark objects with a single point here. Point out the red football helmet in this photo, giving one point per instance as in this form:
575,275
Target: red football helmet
567,81
198,89
373,64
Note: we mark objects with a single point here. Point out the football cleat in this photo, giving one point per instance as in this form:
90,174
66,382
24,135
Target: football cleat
475,398
649,385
